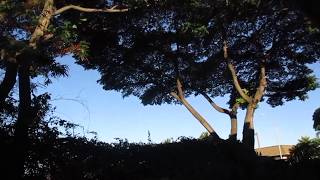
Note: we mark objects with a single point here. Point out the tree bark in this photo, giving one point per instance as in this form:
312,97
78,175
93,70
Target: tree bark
234,129
234,122
8,82
24,120
43,23
195,113
198,116
24,113
180,97
248,128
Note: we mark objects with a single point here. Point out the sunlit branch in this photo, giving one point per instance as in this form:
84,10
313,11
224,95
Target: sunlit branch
89,10
214,105
234,74
262,83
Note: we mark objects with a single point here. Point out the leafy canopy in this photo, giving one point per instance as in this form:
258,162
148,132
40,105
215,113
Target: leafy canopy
141,53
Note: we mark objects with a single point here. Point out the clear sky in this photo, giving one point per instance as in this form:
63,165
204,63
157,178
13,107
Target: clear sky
111,116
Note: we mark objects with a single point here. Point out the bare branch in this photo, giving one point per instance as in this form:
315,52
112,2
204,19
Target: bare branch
89,10
214,105
79,101
262,83
201,119
234,74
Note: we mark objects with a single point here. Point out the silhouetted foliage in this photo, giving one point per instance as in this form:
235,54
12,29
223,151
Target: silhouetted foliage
139,58
32,35
143,53
54,157
269,45
316,119
306,149
204,135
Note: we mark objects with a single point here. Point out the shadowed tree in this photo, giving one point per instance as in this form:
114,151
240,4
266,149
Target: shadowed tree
33,34
269,58
170,51
153,57
306,149
263,57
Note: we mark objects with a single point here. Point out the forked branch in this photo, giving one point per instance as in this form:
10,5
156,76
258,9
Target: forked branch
180,97
234,74
214,105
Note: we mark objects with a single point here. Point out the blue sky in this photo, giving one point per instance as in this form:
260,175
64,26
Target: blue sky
111,116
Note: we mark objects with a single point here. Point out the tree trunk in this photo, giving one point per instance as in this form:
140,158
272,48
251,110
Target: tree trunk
24,120
25,114
8,82
232,114
234,129
234,122
248,128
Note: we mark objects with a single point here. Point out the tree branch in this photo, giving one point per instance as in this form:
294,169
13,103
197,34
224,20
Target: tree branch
179,88
235,108
175,95
43,24
195,114
214,105
234,74
262,83
89,10
8,81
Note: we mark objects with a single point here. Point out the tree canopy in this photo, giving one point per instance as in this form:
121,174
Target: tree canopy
255,51
139,56
159,51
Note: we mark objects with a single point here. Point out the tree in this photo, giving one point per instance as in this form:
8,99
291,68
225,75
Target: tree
306,149
253,52
153,54
316,120
253,44
34,34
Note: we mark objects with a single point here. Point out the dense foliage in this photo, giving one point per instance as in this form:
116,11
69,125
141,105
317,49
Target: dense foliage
80,158
306,149
251,51
161,52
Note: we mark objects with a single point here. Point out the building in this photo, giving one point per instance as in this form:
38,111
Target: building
277,152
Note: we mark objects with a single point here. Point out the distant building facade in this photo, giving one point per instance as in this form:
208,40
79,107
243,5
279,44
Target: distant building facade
278,152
